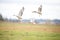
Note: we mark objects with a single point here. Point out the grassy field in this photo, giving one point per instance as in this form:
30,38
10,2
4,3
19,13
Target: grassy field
28,31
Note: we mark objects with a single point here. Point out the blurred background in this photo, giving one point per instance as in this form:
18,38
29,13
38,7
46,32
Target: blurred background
50,10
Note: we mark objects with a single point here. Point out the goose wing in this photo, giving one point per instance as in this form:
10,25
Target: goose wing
21,11
40,8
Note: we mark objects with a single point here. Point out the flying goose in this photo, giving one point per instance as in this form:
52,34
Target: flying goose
19,16
39,10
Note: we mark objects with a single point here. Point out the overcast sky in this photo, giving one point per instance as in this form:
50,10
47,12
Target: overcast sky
50,9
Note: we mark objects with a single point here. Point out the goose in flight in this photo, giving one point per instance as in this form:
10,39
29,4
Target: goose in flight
39,10
19,16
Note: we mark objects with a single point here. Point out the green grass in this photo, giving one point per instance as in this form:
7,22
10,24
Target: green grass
32,35
28,35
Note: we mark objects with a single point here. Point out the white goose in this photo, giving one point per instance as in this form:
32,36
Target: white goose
39,10
19,16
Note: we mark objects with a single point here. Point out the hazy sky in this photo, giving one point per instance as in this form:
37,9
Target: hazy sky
50,9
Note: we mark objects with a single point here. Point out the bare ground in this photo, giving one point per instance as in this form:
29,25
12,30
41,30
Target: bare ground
46,29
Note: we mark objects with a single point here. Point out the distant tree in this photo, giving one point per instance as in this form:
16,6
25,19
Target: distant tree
5,19
1,18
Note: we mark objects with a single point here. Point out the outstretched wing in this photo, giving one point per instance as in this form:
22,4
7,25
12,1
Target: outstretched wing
21,11
40,9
